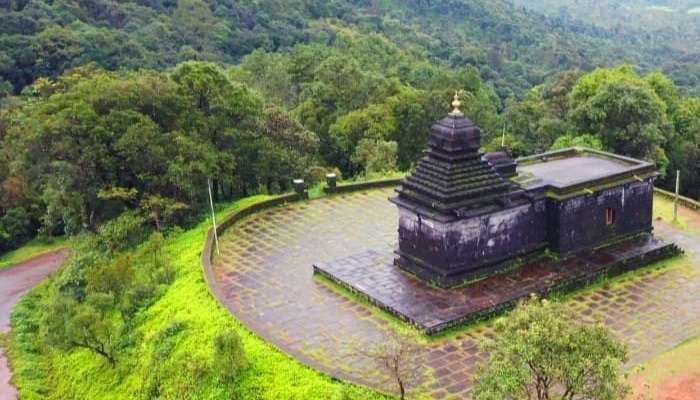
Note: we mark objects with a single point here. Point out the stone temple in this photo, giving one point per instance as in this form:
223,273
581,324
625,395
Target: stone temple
477,232
461,214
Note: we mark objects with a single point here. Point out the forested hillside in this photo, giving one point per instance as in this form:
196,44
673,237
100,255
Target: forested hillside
672,21
512,47
667,32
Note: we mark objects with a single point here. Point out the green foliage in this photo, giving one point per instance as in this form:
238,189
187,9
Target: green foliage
229,358
166,348
513,48
626,112
541,351
93,144
534,123
16,228
162,210
376,156
122,232
88,325
570,140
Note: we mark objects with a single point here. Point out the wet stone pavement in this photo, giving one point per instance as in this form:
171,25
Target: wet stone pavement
266,276
434,310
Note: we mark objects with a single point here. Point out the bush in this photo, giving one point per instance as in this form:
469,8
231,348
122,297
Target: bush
125,231
229,358
315,174
16,228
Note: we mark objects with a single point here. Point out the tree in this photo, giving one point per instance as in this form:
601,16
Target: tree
570,140
16,227
542,351
162,210
375,122
534,120
195,23
221,111
625,111
87,325
376,155
397,356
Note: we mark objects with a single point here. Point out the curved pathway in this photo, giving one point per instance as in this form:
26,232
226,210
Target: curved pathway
266,279
15,282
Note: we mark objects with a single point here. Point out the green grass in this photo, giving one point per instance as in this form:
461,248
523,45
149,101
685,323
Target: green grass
31,249
680,362
663,209
42,373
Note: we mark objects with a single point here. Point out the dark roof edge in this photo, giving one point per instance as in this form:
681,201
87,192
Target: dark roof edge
577,151
639,170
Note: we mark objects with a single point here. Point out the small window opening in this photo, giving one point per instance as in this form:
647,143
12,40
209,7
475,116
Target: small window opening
609,216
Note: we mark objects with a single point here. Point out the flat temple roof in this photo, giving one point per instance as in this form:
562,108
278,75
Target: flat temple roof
570,167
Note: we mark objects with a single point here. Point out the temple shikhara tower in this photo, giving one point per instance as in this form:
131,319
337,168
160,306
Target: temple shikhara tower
477,232
457,213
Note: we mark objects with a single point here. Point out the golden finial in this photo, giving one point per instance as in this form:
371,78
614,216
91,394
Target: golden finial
456,103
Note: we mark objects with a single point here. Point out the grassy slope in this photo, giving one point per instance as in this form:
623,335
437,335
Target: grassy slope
80,374
32,249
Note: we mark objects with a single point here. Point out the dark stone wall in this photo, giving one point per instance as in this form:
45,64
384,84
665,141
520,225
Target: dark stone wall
466,246
446,252
580,222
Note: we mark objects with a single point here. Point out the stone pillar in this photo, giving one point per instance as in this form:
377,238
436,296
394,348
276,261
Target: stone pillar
331,181
300,188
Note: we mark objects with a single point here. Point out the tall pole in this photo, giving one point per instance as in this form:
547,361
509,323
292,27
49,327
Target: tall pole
675,199
213,217
503,137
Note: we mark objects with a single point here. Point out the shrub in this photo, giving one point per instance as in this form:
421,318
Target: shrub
229,358
125,231
16,228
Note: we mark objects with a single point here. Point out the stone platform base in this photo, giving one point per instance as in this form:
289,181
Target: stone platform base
433,310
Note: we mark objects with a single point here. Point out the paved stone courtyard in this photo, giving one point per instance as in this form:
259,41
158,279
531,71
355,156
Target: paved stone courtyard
265,272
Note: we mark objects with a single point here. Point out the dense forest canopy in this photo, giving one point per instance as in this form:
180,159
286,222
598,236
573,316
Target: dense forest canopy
673,23
513,48
666,31
115,106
